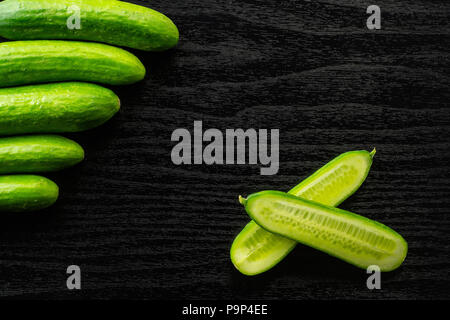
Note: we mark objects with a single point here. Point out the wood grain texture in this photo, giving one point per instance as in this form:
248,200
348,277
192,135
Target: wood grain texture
141,227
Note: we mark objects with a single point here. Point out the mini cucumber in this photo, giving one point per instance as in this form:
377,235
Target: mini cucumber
256,250
24,193
28,62
114,22
53,108
40,153
352,238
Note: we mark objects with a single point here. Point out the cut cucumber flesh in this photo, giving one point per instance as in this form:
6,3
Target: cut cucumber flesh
256,250
38,153
345,235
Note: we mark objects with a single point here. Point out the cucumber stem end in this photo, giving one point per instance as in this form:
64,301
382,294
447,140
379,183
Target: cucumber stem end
372,154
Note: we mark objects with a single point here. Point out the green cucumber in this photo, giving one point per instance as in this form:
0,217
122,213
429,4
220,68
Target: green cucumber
24,193
352,238
27,62
40,153
114,22
256,250
52,108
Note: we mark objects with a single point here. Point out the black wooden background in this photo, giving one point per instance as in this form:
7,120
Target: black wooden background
141,227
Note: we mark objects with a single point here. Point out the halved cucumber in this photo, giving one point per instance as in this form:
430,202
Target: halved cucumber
24,193
345,235
256,250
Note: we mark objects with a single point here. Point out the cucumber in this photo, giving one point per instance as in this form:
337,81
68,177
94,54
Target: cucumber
40,153
24,193
52,108
114,22
27,62
256,250
352,238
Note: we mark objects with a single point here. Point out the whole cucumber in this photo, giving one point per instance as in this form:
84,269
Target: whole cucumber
40,153
342,234
114,22
24,193
27,62
59,107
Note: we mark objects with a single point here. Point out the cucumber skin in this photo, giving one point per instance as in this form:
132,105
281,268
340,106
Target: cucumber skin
287,245
53,108
25,193
114,22
28,62
329,210
40,153
297,189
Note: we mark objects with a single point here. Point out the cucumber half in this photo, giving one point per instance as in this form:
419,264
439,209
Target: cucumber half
355,239
256,250
25,193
